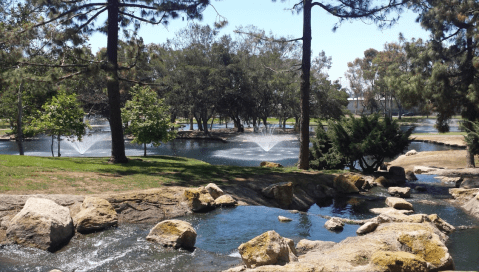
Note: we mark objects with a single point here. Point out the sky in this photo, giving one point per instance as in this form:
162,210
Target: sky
344,45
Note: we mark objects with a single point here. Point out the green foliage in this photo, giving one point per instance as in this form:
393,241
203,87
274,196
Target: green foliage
62,115
323,155
147,117
472,137
368,140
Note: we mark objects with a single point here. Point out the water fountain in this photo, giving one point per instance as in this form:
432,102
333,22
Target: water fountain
86,143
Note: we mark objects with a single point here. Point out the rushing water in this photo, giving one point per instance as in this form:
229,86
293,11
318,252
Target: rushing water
221,231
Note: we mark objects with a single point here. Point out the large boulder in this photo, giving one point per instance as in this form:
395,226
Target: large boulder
398,203
95,214
281,192
411,176
214,190
306,245
472,206
345,184
199,199
403,192
397,174
42,224
267,249
173,233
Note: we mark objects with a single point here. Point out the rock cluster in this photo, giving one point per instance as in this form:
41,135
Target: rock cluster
207,198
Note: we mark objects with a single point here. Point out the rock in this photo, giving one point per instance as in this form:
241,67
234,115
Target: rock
472,206
42,224
282,192
173,233
345,184
398,203
429,247
420,188
423,169
214,190
367,228
411,152
383,182
410,176
389,210
334,224
284,219
397,174
95,214
399,261
456,180
225,201
463,195
305,245
441,224
469,183
267,249
199,199
270,164
403,192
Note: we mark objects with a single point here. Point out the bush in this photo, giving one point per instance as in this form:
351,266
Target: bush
367,141
322,155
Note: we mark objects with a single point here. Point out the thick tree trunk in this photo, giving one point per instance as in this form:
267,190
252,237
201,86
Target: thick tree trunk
19,137
471,112
191,122
113,86
303,162
51,147
144,149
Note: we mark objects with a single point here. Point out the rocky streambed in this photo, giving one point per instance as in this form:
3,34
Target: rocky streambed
391,240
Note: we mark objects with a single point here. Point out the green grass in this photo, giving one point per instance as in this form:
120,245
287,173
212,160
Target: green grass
86,175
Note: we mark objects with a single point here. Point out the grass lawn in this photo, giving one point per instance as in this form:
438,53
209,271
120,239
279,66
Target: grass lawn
25,174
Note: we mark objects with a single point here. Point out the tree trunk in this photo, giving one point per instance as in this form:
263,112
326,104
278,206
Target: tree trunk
51,147
303,162
191,122
19,137
58,142
113,86
144,149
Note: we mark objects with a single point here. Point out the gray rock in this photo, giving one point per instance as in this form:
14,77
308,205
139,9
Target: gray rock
95,214
282,192
199,199
398,203
469,183
214,190
367,228
305,245
225,201
411,176
42,224
334,224
403,192
284,219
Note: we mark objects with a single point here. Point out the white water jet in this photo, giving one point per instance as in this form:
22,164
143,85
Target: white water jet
265,138
86,143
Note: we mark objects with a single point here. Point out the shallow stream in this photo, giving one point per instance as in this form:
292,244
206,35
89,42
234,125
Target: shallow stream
221,231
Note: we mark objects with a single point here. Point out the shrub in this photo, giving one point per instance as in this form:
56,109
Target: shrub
322,155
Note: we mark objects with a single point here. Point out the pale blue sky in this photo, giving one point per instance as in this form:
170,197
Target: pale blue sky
344,45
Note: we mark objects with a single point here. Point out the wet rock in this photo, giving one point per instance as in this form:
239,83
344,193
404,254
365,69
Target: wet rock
397,174
334,224
199,199
284,219
367,228
173,233
411,152
346,184
410,176
420,188
214,190
383,182
282,192
469,183
301,199
270,164
268,248
399,261
398,203
95,214
305,245
403,192
42,224
225,201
